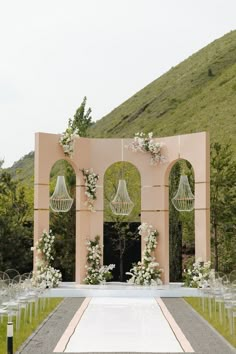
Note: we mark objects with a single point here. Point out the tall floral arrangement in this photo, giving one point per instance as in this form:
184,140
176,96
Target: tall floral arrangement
96,273
67,139
45,275
199,274
146,272
90,179
144,143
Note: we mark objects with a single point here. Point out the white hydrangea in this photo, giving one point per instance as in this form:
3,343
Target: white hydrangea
45,275
146,271
90,179
145,143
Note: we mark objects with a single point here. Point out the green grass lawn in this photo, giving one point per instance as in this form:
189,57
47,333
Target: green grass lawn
223,328
26,328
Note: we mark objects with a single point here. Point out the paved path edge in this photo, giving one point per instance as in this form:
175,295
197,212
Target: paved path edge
26,342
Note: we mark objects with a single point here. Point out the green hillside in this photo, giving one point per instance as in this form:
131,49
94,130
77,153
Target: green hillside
199,94
23,170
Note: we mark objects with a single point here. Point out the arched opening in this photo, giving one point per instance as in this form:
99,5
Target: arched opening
181,224
63,223
122,243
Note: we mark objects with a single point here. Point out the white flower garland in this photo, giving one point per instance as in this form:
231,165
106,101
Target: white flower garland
146,272
145,143
96,273
90,179
67,140
45,275
199,275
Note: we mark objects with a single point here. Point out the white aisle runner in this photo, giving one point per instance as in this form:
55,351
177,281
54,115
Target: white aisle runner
123,325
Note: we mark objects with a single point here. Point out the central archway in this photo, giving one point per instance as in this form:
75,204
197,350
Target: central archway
122,242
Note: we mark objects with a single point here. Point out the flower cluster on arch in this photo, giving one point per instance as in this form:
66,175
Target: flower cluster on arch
96,273
145,143
146,271
90,179
67,140
199,275
45,276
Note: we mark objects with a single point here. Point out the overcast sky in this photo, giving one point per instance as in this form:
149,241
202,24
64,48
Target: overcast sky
55,52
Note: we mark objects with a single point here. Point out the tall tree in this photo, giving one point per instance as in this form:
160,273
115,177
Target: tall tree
223,204
15,226
82,119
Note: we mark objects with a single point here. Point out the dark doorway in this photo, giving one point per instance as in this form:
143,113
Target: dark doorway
122,247
181,225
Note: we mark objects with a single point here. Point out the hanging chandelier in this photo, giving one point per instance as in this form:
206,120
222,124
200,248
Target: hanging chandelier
184,198
60,201
121,204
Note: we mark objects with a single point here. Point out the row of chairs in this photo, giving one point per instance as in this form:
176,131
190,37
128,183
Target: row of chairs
218,298
18,296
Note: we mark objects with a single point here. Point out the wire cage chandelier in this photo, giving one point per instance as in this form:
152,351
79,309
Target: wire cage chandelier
121,204
184,198
60,201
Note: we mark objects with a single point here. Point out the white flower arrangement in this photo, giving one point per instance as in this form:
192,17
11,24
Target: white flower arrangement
45,275
67,140
146,272
144,143
199,274
90,179
96,274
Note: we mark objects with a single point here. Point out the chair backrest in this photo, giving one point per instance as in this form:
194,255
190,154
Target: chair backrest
232,276
12,273
4,279
16,279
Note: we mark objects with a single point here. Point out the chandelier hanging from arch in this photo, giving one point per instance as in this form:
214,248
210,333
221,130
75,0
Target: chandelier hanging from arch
60,201
184,198
122,204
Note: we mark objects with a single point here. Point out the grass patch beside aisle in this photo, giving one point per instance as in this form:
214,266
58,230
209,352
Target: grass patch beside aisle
223,329
26,328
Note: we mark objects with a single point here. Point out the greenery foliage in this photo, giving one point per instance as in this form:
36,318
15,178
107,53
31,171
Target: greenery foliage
82,119
15,226
223,207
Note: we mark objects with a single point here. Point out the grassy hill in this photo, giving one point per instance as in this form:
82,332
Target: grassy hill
23,170
199,94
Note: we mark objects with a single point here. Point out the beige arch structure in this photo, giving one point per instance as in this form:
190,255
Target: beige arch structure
99,154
